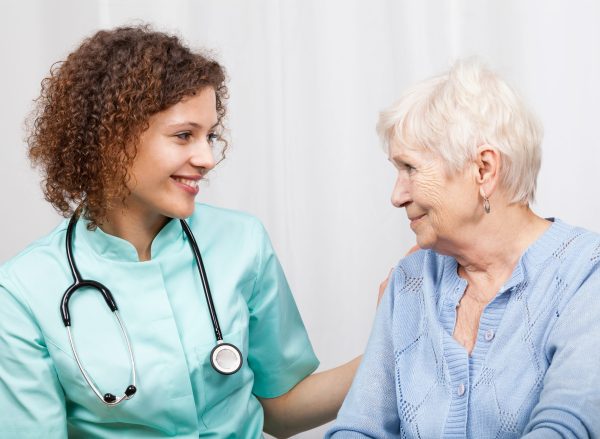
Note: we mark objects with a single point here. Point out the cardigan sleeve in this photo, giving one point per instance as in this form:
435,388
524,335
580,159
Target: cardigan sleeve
370,409
569,404
31,396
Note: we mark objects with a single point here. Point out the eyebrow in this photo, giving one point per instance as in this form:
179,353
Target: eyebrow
189,123
396,159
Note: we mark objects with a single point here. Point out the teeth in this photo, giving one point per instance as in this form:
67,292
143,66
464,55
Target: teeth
191,183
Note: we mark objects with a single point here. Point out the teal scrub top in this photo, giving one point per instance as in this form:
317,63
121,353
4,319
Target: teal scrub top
162,304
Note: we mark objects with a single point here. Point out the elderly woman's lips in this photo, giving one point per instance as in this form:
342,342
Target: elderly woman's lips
414,219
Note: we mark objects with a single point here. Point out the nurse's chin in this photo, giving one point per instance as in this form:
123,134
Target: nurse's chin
181,212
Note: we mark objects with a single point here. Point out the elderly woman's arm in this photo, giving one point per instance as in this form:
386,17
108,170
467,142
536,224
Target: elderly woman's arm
569,405
370,408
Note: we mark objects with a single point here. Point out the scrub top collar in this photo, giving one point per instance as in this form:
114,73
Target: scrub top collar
170,237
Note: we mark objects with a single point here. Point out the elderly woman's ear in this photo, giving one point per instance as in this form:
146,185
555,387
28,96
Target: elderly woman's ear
488,161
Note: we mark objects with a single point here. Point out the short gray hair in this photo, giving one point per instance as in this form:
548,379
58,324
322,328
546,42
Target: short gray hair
454,113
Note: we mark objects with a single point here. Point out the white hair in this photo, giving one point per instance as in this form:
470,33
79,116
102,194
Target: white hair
468,106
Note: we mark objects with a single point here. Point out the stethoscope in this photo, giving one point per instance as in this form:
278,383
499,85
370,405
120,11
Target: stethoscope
225,358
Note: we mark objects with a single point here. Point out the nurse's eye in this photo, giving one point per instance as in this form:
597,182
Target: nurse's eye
212,137
184,135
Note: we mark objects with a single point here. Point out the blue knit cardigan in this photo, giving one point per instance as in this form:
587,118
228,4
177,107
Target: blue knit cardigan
534,371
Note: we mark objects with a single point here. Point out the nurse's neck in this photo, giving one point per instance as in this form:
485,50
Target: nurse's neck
137,228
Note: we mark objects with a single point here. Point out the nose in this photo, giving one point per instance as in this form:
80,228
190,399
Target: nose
400,193
202,155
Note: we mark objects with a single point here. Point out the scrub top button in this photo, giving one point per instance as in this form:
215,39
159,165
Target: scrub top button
489,335
460,390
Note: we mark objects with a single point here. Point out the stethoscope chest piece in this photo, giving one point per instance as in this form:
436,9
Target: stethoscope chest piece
225,358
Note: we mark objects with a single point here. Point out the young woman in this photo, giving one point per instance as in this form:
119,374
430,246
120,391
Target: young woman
146,314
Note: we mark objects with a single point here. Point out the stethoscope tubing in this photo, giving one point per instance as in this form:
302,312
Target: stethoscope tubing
203,279
79,282
107,398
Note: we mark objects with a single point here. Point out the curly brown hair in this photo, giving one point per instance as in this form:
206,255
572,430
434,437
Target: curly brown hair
85,128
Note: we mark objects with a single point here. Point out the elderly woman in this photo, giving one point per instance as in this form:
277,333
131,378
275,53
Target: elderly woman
491,330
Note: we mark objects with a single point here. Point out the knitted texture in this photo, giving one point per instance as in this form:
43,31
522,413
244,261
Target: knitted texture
534,370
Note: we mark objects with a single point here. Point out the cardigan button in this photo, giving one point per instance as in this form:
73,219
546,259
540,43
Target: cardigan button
460,390
489,335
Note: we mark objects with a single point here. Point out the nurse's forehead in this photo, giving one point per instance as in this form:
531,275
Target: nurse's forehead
195,111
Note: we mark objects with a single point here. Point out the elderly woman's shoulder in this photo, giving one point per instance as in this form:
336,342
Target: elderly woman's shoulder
573,246
573,263
423,263
562,265
413,262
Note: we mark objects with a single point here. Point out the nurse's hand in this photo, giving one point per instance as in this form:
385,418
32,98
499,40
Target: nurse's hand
312,402
316,399
383,285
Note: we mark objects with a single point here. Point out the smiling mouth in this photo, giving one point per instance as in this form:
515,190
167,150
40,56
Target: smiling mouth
415,219
191,186
186,181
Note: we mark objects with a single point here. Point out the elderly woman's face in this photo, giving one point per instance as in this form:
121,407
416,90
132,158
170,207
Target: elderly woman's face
440,207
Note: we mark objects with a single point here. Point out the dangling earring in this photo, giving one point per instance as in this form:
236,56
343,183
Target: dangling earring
486,202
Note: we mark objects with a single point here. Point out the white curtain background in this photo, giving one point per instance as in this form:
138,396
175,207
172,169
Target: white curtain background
307,80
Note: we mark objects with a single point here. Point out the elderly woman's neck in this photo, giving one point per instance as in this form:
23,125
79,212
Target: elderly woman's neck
491,252
138,228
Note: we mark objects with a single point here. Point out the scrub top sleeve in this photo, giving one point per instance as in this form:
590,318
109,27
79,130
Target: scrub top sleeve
279,352
31,398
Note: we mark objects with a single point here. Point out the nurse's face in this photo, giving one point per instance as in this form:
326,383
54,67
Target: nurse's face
174,154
